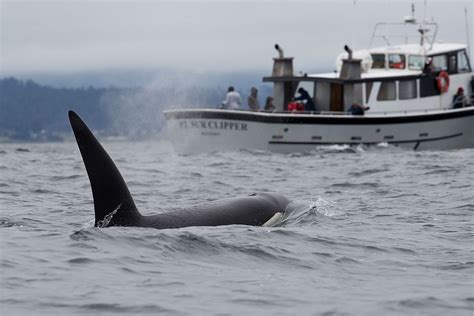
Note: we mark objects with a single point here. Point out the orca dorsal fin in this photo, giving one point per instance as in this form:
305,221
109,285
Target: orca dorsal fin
113,203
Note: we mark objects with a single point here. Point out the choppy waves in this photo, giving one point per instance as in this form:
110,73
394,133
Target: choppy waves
369,231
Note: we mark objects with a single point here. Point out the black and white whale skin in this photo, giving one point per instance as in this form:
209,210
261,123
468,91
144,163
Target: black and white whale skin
114,205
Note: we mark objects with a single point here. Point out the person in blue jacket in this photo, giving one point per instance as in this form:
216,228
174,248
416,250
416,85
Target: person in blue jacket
304,96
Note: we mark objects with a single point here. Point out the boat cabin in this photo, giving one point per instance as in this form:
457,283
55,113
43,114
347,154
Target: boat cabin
392,78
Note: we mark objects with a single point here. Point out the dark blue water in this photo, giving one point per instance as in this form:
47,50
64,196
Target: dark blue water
373,231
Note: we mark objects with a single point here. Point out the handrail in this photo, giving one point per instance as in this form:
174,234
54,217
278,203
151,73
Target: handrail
405,24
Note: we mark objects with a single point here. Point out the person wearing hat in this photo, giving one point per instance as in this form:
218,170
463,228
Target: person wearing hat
459,99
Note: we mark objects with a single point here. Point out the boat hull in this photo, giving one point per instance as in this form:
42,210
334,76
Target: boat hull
206,130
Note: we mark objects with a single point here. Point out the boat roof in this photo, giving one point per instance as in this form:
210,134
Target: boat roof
372,74
334,77
437,48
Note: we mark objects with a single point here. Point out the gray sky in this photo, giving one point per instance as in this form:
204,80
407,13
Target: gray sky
67,36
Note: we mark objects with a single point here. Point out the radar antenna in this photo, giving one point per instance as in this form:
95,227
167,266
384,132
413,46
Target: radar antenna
411,18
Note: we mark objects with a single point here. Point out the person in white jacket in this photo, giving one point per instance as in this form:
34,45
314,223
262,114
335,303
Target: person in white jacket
232,100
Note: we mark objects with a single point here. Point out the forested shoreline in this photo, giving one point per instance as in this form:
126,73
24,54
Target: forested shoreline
31,111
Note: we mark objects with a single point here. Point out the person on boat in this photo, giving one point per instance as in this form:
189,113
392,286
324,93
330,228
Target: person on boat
459,99
269,104
357,109
253,100
232,100
304,96
428,68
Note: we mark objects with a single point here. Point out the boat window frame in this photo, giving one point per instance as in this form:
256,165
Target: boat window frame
414,82
383,84
374,62
402,63
433,62
466,58
422,59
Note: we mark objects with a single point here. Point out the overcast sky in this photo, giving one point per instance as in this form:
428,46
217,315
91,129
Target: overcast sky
67,36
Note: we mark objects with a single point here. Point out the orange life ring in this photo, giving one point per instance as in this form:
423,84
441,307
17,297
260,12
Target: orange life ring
443,81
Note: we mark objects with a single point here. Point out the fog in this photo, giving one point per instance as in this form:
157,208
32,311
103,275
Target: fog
80,36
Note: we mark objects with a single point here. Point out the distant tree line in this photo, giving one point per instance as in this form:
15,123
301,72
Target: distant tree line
32,111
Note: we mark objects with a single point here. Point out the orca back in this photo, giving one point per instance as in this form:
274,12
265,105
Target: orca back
114,205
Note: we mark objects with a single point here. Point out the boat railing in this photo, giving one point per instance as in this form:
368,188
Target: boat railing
371,112
339,113
375,113
422,29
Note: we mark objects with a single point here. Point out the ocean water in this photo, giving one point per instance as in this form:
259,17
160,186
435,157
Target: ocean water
371,231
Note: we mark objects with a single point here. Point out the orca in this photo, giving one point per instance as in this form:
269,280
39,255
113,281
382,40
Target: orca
114,205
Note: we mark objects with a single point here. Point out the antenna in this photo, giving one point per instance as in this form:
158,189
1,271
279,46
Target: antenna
357,15
411,18
467,32
424,11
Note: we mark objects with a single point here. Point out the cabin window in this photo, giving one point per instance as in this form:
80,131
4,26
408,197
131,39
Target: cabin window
440,62
463,63
453,68
368,89
396,61
378,61
387,91
407,89
415,62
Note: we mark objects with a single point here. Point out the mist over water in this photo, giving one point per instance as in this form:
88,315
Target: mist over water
370,231
137,113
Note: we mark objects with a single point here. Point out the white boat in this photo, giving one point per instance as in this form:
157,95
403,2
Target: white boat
409,89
